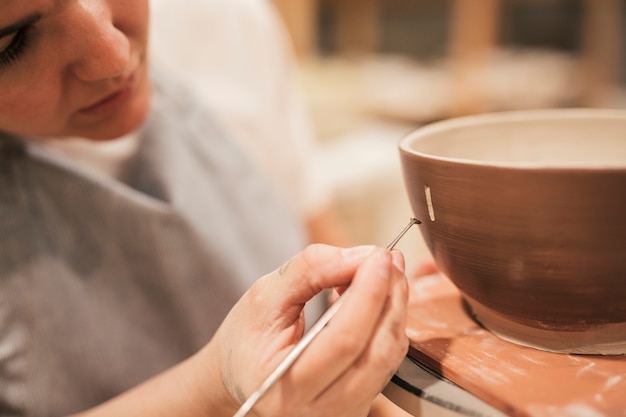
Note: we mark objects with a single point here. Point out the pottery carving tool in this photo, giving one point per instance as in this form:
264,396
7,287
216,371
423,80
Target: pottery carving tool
289,360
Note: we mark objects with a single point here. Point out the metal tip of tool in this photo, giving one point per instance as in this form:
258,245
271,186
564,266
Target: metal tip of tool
394,242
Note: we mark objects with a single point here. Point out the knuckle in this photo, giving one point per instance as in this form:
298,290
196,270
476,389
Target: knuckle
310,254
310,257
394,356
349,344
392,351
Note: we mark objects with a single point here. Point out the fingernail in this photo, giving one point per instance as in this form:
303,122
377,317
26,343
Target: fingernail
382,263
357,252
398,260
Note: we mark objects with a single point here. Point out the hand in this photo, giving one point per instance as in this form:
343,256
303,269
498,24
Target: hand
349,362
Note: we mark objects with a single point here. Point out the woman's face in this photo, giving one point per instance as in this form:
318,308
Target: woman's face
73,67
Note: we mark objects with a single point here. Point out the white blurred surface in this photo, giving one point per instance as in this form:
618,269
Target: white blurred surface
236,56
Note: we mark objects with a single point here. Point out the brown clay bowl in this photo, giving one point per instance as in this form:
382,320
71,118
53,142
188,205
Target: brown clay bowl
526,213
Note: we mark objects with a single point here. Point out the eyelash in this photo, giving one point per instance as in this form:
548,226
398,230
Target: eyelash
16,48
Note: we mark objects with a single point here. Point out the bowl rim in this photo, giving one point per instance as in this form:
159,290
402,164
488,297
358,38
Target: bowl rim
512,116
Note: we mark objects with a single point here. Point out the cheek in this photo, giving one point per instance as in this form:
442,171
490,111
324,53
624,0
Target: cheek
29,108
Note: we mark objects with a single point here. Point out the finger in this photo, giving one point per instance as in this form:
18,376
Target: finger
277,300
309,272
398,260
389,344
347,335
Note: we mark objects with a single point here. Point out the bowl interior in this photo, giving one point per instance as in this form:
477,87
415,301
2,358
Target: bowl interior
565,138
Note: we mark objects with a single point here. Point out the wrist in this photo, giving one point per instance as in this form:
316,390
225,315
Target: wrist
211,384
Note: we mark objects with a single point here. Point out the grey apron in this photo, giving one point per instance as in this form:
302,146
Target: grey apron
105,283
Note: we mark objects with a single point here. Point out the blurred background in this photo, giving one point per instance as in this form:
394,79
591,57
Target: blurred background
371,71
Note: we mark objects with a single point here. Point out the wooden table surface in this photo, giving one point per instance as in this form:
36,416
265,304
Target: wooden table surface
518,380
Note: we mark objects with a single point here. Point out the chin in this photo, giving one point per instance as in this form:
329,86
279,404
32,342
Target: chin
131,123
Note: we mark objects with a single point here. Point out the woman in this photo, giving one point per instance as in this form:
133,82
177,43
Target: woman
129,226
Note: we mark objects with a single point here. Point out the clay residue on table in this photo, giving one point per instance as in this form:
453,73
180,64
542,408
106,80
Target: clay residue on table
518,380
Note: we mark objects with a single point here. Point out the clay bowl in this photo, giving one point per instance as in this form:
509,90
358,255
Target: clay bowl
526,213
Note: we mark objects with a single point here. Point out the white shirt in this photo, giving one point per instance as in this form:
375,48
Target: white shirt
236,55
105,157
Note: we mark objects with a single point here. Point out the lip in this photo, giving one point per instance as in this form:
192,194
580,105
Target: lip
114,100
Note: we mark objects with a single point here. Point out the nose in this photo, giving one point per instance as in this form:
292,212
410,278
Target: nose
100,49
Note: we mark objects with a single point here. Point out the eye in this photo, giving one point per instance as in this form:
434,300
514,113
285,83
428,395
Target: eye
16,47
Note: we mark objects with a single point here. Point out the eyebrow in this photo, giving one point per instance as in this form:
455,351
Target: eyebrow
29,20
